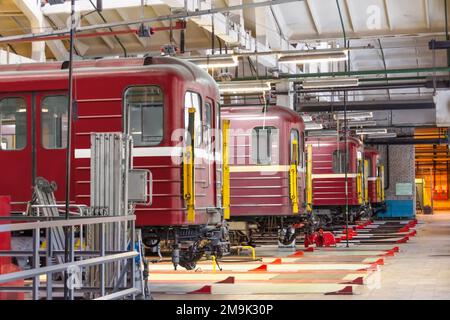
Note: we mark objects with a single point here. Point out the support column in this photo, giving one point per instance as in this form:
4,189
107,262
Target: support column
285,100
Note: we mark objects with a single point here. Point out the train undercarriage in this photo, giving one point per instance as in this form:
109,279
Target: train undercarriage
244,230
329,216
188,244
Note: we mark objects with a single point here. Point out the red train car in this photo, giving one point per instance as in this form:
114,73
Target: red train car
328,179
267,171
375,179
157,100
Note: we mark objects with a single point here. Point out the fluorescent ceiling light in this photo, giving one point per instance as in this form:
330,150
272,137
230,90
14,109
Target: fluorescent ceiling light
244,87
22,110
329,83
213,62
323,133
314,57
313,126
354,115
385,135
355,124
371,131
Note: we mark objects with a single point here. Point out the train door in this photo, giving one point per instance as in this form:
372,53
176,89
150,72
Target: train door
360,176
192,159
367,174
293,171
209,113
16,150
51,139
33,129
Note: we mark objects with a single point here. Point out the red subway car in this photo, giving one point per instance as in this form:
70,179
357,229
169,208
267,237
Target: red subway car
267,171
330,196
157,100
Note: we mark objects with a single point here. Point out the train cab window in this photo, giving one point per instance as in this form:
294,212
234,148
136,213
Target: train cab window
146,115
339,161
13,124
208,123
208,115
193,100
262,139
301,149
54,122
295,136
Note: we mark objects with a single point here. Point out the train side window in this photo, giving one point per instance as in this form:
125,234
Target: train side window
370,171
13,124
146,112
54,122
193,100
339,161
262,144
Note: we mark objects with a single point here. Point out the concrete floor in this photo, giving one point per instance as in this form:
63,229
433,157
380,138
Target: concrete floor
420,271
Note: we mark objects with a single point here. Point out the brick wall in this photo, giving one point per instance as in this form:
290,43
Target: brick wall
401,169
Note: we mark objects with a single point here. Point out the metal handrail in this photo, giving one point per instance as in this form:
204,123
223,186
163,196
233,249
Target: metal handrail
64,223
102,256
18,275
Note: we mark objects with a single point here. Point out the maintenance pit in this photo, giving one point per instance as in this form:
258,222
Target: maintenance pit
372,267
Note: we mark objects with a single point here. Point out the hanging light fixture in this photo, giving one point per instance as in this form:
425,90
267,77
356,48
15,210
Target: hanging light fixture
355,124
211,62
244,87
384,135
371,131
322,133
329,83
354,115
313,126
314,57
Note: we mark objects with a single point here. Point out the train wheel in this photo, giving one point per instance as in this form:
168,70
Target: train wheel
287,235
190,256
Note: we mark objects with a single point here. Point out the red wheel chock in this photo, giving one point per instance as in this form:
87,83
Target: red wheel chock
348,290
230,280
261,268
203,290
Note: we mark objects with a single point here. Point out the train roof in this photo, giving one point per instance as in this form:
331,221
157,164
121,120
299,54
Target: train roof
369,150
279,112
182,68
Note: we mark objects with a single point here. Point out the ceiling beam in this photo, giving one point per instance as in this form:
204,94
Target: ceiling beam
426,5
313,15
106,39
386,11
347,9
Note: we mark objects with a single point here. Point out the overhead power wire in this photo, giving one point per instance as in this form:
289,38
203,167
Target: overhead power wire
110,29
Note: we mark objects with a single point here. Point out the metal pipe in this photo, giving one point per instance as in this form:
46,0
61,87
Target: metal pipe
154,19
68,230
345,132
407,141
367,87
348,73
368,105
